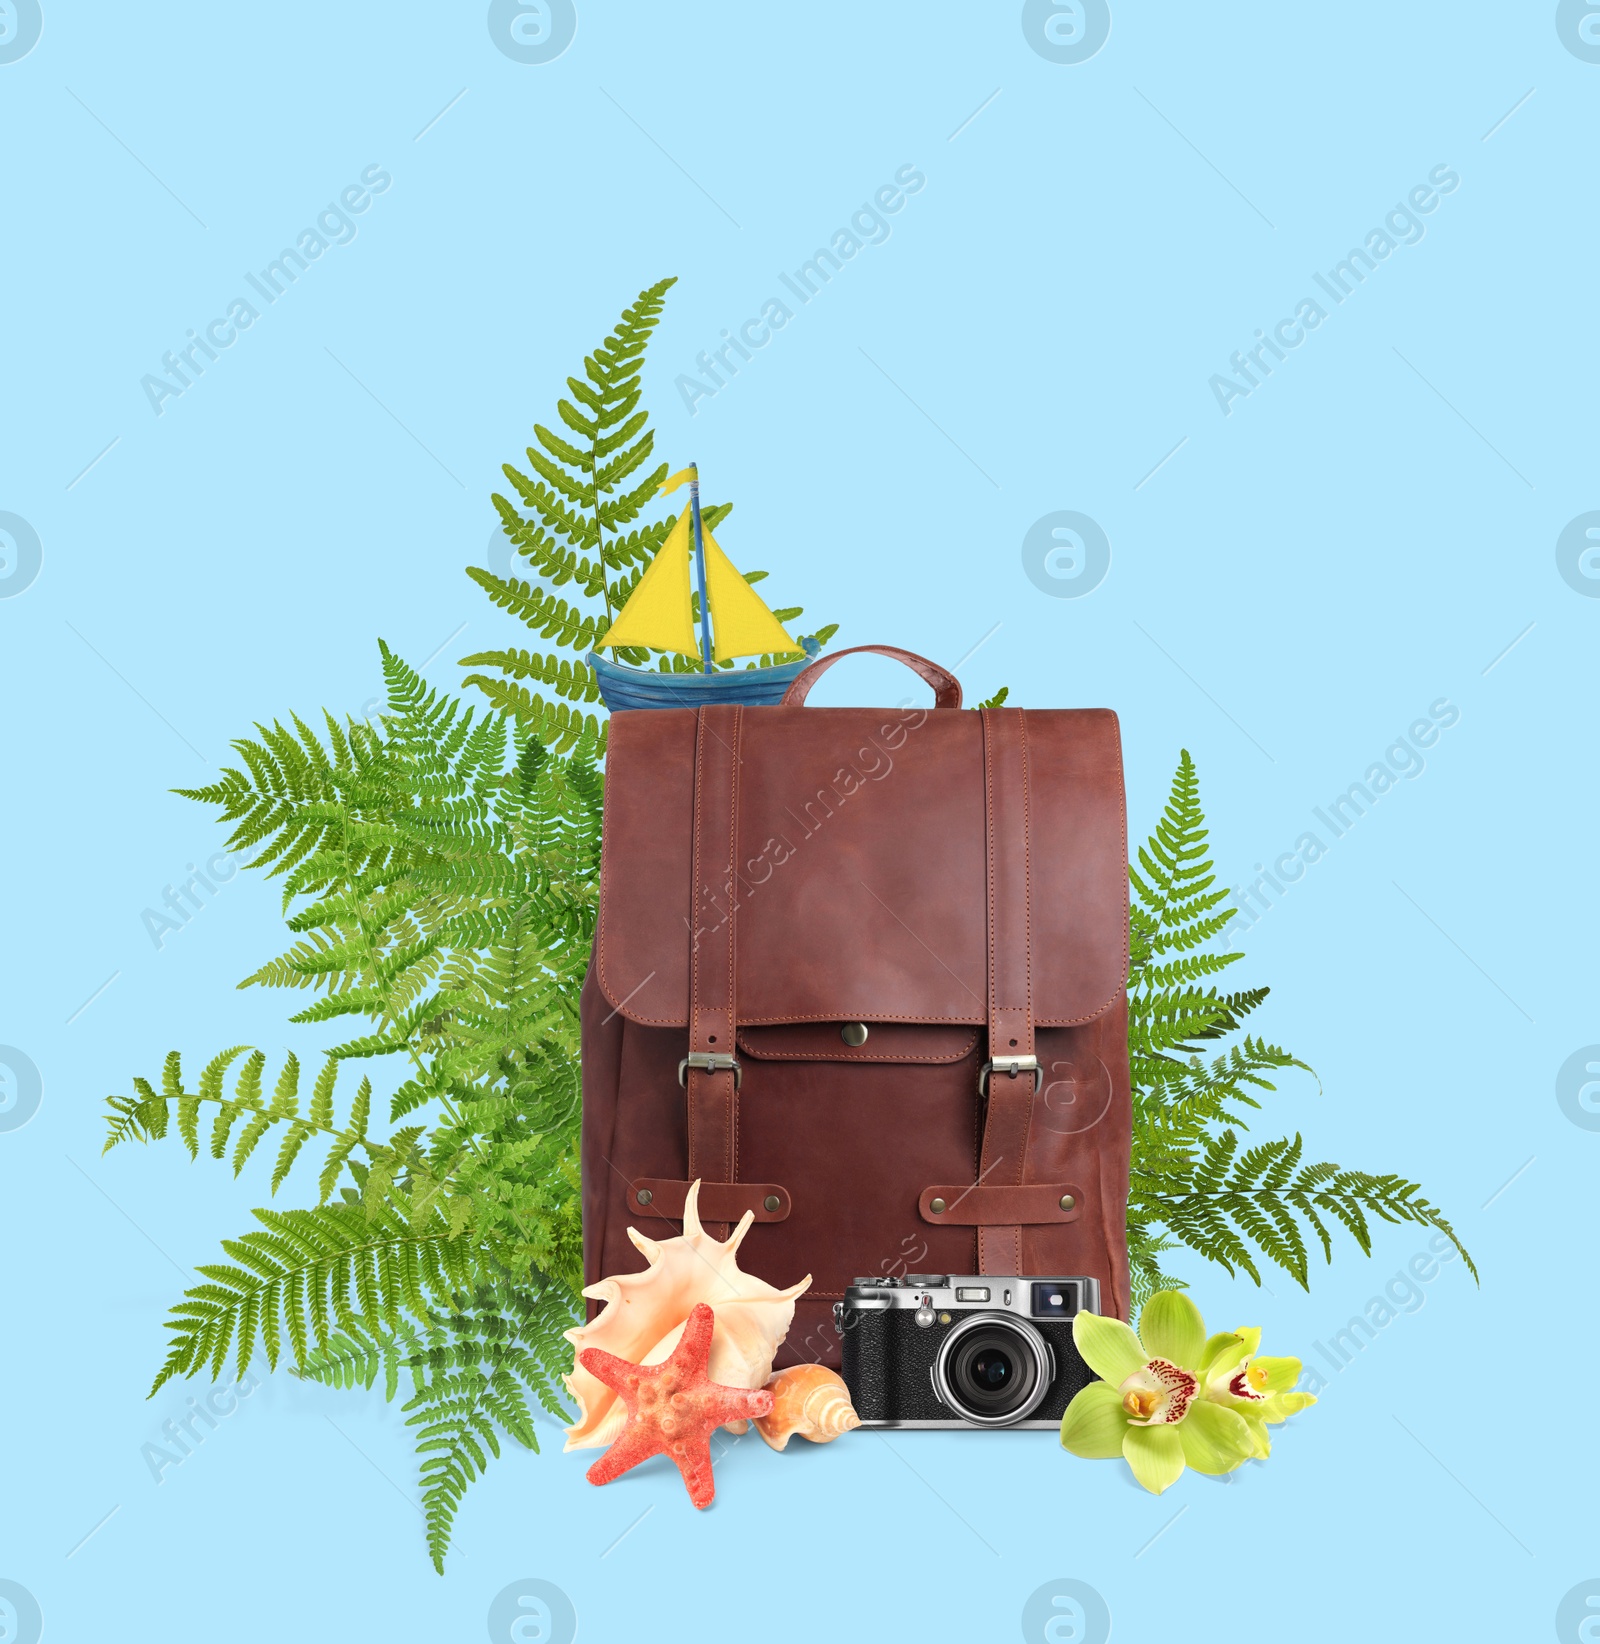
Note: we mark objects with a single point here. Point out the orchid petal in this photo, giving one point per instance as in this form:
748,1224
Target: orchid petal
1258,1433
1281,1406
1281,1374
1155,1454
1108,1346
1250,1341
1221,1352
1170,1327
1215,1439
1095,1422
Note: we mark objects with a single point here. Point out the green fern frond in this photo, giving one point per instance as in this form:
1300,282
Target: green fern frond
145,1116
1262,1201
442,870
305,1272
1174,888
1145,1249
1191,1186
475,1375
472,1371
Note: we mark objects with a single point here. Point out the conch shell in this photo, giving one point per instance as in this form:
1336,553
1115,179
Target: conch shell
810,1400
645,1313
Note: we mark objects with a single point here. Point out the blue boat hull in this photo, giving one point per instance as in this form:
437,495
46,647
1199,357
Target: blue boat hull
622,687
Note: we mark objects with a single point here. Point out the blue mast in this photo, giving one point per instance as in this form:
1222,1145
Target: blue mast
700,568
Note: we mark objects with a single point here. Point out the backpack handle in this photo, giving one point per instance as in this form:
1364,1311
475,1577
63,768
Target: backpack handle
946,687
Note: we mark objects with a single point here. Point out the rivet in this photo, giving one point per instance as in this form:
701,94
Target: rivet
1067,1201
936,1206
854,1033
644,1195
771,1202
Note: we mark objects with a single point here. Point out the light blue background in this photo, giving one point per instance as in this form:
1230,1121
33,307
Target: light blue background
1358,538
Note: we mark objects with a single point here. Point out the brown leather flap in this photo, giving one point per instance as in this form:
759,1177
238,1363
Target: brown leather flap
910,1042
718,1202
1035,1202
861,887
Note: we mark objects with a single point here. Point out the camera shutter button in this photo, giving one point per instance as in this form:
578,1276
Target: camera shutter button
923,1316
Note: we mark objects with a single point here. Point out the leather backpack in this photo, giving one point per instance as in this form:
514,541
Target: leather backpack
861,972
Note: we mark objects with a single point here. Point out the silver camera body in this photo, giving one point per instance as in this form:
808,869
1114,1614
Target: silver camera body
940,1350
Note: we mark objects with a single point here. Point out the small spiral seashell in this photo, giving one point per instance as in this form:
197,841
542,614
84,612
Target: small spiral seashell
810,1400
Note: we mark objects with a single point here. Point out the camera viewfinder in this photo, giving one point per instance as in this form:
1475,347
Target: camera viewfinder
1054,1300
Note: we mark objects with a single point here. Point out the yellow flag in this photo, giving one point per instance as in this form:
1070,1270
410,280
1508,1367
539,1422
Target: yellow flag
741,623
673,481
658,612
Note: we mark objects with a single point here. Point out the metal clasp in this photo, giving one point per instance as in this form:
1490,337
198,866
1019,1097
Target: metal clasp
1011,1066
710,1061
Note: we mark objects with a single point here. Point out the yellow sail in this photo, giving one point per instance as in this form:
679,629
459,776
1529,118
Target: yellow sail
659,613
741,624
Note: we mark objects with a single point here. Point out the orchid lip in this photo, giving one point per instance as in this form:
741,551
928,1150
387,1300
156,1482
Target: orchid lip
1246,1382
1242,1388
1158,1394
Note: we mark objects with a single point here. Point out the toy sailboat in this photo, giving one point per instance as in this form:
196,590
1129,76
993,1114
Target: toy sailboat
660,614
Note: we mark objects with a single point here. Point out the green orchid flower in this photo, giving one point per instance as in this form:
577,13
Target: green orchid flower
1261,1389
1171,1397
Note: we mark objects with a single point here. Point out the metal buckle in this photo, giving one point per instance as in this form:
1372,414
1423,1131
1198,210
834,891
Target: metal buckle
1011,1066
709,1061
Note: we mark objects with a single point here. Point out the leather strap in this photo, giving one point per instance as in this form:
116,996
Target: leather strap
722,1201
946,687
713,1106
1003,1160
984,1207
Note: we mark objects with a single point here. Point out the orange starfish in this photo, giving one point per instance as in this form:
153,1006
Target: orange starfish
673,1408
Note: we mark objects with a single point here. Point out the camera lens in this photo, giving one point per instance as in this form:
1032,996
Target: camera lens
993,1369
987,1372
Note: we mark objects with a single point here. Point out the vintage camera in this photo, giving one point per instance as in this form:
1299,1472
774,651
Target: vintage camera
931,1350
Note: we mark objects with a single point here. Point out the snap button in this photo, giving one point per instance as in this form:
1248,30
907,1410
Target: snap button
644,1195
1067,1201
936,1206
771,1202
854,1033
